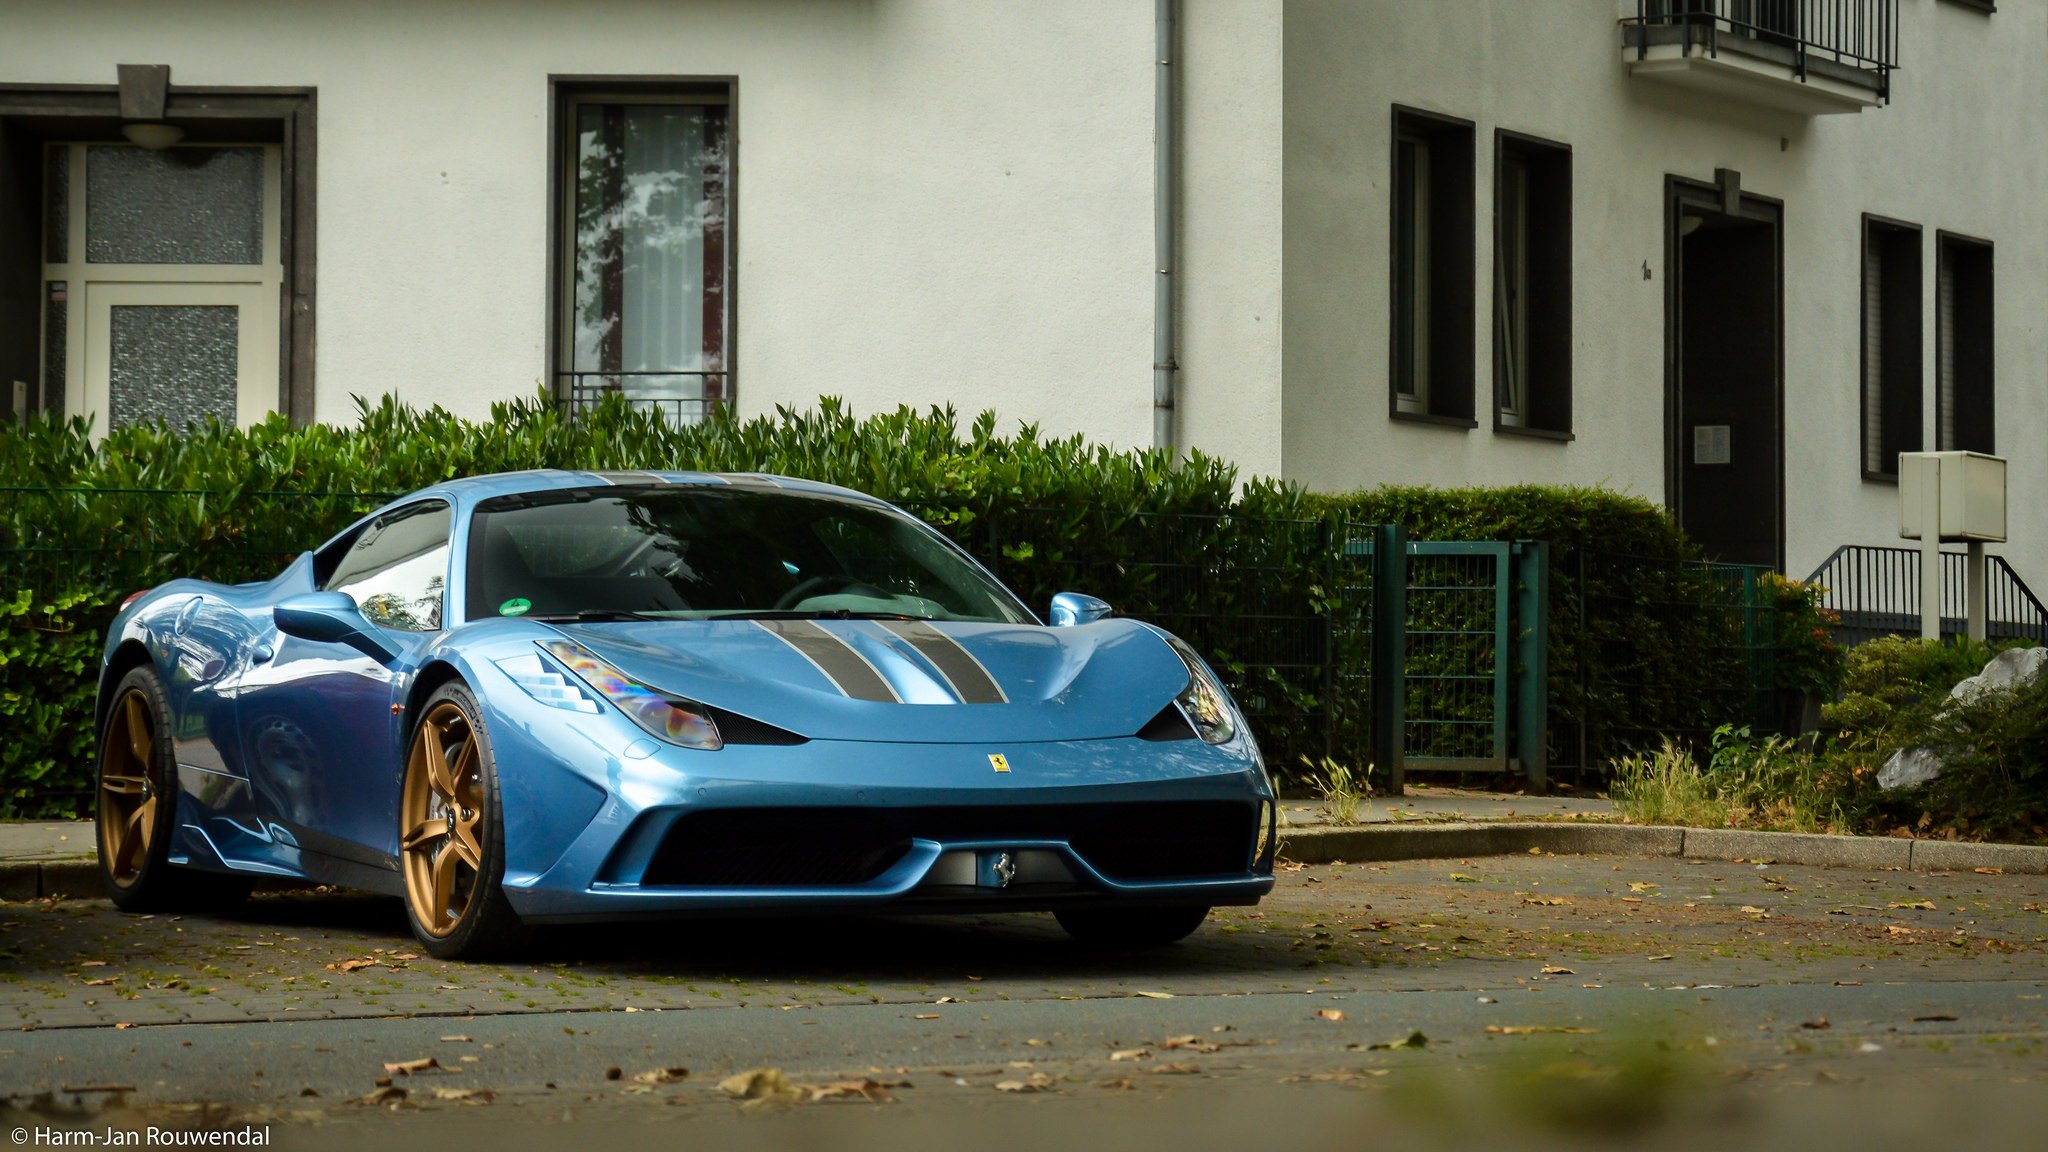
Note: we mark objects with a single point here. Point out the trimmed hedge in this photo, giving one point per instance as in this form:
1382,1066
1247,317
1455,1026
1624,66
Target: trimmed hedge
1246,568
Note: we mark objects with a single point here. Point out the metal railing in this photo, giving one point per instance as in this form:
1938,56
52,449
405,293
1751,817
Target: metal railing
1876,592
1857,34
679,397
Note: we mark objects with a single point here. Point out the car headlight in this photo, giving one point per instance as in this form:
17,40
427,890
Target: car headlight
664,716
1203,701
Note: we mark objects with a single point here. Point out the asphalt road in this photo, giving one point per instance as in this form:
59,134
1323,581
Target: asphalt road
1549,997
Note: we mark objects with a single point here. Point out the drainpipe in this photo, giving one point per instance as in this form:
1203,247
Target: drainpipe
1164,205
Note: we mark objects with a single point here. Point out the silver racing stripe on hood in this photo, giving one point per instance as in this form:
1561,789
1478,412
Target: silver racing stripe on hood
962,672
847,669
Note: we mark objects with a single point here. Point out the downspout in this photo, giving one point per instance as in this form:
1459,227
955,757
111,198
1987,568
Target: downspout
1164,205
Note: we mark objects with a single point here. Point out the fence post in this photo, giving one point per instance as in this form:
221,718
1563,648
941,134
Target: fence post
1390,653
1327,540
1532,660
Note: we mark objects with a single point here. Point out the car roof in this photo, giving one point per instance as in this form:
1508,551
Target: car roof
470,489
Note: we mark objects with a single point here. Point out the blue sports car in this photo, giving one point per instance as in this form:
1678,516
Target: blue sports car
562,696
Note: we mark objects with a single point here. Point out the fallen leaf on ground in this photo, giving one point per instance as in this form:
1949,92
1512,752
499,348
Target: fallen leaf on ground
1989,871
1933,1019
867,1088
101,982
1817,1023
1923,905
1641,885
1753,910
1036,1082
1191,1044
472,1095
761,1086
408,1067
455,1040
1131,1054
352,965
1555,970
1154,995
384,1095
1538,1029
614,1072
1329,1014
1461,878
926,1016
1411,1040
1547,901
662,1075
1120,1082
1035,1042
1175,1069
1665,956
92,963
947,1000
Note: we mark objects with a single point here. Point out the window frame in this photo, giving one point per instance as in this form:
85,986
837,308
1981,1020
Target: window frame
1944,418
1872,222
1445,396
1557,302
565,92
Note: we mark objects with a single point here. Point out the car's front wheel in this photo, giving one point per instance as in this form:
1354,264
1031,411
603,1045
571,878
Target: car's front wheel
452,833
1128,928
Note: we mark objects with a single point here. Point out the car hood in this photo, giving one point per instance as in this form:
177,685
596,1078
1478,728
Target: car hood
910,682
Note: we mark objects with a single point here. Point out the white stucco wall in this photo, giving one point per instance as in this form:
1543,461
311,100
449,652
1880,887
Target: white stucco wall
939,201
1963,146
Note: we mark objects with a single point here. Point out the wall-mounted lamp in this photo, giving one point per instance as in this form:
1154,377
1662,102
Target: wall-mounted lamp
145,88
1687,223
156,136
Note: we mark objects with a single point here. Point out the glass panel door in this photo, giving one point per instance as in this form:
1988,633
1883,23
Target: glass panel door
179,353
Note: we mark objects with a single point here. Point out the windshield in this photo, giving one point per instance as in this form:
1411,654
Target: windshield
701,552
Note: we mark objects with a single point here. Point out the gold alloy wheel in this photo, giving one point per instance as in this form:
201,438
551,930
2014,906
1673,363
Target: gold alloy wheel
442,812
127,797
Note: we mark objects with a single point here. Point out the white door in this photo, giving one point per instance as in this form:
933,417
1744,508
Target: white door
164,282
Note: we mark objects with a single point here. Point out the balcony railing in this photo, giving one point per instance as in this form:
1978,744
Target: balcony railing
1851,40
1876,591
679,397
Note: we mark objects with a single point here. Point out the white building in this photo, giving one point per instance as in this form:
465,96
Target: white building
1447,241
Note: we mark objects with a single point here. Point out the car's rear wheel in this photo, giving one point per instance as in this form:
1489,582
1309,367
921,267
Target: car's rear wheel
451,833
1122,929
137,808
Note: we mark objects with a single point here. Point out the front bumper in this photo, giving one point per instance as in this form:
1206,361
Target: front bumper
562,866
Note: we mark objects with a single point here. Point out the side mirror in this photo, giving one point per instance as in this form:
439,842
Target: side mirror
332,618
1072,608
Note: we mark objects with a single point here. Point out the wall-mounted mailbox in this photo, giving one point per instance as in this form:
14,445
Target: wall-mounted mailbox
1970,491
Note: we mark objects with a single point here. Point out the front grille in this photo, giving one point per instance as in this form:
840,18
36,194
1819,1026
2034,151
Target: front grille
815,847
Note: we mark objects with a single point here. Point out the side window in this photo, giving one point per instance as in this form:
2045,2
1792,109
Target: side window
397,568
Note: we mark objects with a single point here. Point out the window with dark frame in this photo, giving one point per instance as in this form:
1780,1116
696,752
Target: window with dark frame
1965,389
1431,345
1532,285
1891,345
643,247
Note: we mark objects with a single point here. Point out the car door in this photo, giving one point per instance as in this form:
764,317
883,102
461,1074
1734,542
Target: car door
319,735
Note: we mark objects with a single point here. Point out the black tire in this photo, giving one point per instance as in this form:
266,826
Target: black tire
1127,929
136,808
485,924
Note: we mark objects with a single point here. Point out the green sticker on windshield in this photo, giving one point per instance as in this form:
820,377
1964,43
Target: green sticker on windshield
516,606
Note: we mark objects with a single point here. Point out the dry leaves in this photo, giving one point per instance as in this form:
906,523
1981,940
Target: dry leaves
408,1067
662,1075
384,1095
1175,1069
1546,901
1329,1014
455,1040
1461,878
1538,1030
1922,905
1556,970
1189,1043
761,1088
1411,1040
1036,1082
1154,995
867,1088
1817,1024
459,1095
1641,885
352,965
1989,871
1131,1054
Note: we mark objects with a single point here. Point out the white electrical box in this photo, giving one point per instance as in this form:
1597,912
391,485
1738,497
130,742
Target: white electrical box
1972,495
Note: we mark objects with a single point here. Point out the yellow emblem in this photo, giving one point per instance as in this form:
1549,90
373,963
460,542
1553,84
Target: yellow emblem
997,762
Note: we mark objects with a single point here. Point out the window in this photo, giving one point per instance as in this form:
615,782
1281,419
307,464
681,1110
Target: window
1891,345
1432,268
643,249
1532,285
397,568
1964,392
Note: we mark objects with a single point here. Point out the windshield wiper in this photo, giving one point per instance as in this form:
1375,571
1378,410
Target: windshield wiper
596,616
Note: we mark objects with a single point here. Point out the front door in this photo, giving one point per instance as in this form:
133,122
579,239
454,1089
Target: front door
165,279
1725,445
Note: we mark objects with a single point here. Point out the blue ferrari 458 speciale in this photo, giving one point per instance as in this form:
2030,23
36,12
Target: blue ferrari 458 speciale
561,696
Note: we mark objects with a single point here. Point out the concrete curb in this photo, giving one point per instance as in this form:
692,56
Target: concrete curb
1438,841
29,879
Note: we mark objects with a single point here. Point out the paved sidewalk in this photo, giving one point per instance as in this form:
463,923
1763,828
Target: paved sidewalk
1436,804
45,840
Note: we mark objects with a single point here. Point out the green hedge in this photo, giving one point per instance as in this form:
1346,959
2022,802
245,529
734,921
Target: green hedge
1246,568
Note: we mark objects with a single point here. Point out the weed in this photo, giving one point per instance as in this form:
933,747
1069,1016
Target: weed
1343,791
